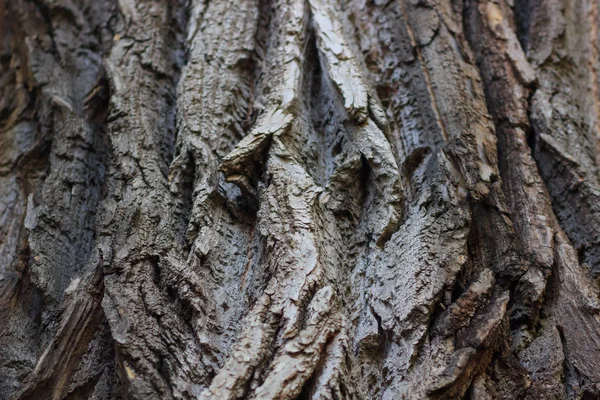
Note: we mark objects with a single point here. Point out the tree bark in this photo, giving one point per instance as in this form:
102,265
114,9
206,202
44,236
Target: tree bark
315,199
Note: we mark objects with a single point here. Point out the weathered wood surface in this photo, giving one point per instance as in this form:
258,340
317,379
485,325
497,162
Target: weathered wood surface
279,199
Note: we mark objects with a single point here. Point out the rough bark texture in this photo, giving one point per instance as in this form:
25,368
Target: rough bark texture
316,199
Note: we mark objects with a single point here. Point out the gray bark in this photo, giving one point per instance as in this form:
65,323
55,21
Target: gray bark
315,199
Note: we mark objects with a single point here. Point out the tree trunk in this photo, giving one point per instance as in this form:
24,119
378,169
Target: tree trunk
316,199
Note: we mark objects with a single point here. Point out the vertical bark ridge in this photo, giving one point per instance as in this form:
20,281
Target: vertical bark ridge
525,192
61,170
564,117
135,237
294,208
556,271
216,102
289,220
18,138
418,54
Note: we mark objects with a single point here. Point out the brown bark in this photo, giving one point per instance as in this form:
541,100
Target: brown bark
299,199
